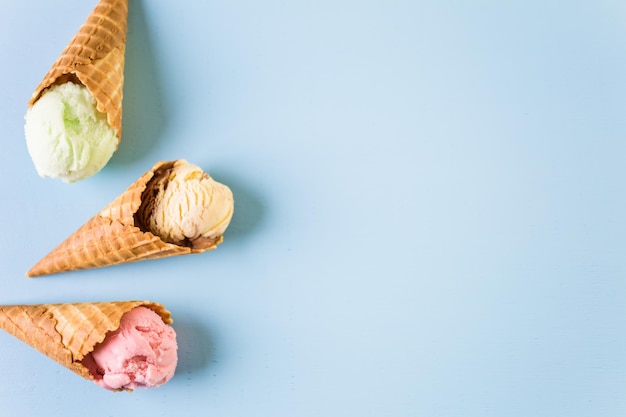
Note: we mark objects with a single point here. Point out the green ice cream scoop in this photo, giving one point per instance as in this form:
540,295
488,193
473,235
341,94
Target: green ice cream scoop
66,135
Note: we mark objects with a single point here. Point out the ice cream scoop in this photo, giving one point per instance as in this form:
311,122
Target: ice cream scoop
66,135
141,353
186,205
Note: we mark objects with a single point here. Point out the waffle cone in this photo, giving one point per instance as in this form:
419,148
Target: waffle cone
95,59
114,236
66,333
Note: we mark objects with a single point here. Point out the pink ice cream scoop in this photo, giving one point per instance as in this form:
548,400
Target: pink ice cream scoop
141,353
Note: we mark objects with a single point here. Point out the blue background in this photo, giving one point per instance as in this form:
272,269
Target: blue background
430,213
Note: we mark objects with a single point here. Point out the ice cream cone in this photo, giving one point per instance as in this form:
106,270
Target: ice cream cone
68,332
115,236
95,58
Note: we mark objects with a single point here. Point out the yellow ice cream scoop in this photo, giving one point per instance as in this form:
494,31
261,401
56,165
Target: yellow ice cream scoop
188,205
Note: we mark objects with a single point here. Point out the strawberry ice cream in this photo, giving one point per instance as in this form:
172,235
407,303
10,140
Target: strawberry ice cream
141,353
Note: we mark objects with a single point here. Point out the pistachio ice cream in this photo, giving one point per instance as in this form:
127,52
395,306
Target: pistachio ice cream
66,135
74,116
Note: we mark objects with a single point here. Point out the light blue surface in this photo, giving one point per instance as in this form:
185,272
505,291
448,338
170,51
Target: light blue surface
430,213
